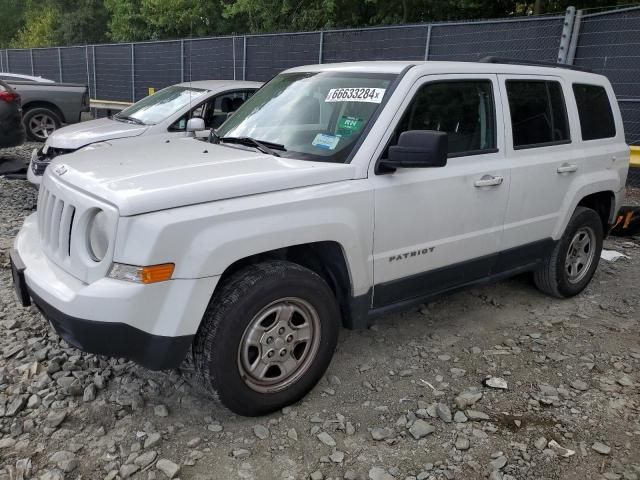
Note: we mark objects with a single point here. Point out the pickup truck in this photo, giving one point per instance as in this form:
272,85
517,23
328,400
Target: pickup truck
334,194
47,106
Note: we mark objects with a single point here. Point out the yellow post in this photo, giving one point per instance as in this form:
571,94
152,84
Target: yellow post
635,156
151,90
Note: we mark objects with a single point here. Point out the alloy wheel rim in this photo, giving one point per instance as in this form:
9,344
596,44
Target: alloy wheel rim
580,255
42,125
279,344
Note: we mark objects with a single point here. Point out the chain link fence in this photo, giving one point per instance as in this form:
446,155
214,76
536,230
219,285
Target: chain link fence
606,42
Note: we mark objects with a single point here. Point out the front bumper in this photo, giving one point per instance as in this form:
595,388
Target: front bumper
153,325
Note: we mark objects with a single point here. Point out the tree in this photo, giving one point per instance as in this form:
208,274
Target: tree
28,23
182,18
161,19
40,27
82,21
12,20
126,22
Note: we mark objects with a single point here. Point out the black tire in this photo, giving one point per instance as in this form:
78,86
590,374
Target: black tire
31,122
243,296
552,277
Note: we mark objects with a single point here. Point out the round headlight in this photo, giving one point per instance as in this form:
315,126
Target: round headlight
98,236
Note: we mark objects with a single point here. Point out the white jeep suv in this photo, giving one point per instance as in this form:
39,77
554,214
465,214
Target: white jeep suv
335,193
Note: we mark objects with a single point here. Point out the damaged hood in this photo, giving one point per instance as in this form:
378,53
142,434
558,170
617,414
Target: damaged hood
81,134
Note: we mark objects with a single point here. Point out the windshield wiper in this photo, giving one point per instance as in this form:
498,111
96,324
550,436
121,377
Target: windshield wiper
265,147
128,119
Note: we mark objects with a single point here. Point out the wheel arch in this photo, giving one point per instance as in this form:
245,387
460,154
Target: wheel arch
325,258
603,203
596,191
43,104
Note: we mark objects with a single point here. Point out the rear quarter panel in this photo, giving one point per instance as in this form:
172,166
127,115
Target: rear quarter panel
604,163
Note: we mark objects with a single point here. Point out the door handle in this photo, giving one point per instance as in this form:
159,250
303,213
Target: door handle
489,181
567,168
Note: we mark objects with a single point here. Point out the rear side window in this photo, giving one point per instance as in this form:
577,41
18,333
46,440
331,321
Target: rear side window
538,113
594,110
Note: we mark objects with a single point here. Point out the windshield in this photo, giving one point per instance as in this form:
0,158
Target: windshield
314,116
161,105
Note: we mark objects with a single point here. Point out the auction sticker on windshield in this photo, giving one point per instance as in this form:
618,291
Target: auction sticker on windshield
369,95
328,142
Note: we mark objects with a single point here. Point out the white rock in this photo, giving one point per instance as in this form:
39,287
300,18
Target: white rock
127,470
541,443
379,433
377,473
146,458
167,467
463,443
421,429
560,450
467,399
601,448
327,439
65,461
261,432
496,382
241,453
498,463
337,456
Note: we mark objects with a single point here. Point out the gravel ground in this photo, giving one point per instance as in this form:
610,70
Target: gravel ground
404,399
14,161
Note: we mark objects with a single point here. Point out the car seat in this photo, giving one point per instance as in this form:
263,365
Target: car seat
226,107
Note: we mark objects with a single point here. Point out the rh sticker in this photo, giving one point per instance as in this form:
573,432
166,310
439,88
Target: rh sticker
368,95
349,125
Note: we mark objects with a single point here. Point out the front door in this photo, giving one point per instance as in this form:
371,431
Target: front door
438,228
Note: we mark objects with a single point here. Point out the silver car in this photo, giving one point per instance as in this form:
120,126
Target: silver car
177,110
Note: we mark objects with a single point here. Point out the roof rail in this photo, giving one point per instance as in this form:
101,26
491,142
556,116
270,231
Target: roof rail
539,63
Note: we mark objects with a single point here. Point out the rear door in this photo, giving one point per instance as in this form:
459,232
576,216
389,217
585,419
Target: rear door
541,147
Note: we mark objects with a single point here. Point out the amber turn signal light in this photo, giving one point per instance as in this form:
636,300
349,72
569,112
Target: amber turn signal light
156,273
145,275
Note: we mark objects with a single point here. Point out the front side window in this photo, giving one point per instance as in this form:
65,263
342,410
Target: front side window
594,110
538,113
214,111
463,109
161,105
314,115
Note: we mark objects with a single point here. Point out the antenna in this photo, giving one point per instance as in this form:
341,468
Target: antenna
190,55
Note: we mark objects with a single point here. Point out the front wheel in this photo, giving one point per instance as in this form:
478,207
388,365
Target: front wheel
573,261
267,337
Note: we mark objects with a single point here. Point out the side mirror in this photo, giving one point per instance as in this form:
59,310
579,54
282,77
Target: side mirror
418,149
195,124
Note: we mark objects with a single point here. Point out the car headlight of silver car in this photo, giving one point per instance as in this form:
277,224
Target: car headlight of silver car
98,235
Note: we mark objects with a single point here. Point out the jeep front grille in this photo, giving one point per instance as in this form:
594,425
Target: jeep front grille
64,213
55,223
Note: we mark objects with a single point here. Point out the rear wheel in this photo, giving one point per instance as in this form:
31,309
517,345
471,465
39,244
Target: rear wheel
267,337
41,122
574,259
